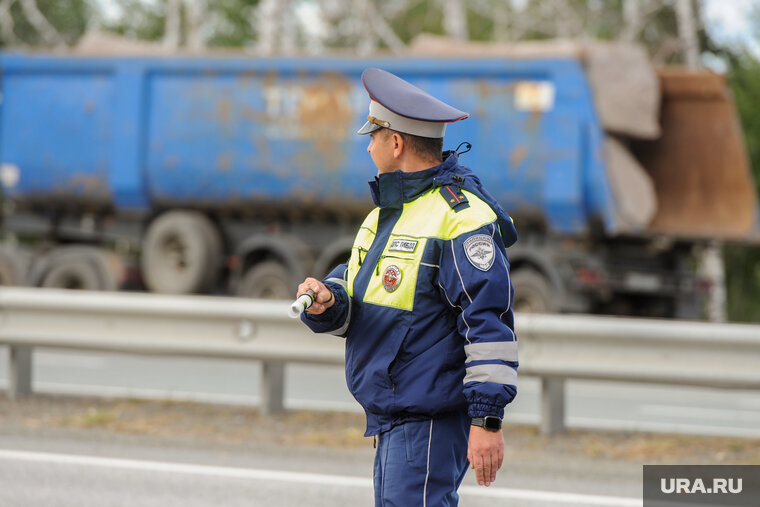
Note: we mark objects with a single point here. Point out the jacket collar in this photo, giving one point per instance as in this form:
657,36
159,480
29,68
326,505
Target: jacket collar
393,190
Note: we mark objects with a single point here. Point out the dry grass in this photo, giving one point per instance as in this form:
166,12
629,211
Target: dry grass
242,425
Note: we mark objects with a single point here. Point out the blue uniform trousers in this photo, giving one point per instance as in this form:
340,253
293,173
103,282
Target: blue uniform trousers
422,463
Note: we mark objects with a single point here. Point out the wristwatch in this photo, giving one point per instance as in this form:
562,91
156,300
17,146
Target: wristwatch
489,422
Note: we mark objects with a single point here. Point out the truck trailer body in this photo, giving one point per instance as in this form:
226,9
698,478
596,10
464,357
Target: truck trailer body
219,174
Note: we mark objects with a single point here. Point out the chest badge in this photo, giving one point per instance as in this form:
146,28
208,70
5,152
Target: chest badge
480,251
391,278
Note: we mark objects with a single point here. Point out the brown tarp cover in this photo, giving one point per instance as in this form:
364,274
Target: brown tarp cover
699,165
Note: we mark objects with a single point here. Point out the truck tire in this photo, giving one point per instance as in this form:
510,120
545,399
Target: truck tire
267,280
181,253
215,245
78,267
72,273
338,252
533,292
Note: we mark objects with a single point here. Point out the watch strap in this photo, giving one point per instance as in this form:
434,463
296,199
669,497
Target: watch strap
489,422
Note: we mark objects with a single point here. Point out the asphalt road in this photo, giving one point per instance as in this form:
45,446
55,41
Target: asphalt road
592,405
87,470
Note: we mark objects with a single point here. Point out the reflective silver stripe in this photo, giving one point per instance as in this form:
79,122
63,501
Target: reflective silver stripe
503,351
509,281
427,474
496,373
456,265
339,281
466,333
342,330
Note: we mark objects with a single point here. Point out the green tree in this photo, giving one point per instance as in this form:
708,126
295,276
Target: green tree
744,76
232,25
743,262
228,23
139,20
43,22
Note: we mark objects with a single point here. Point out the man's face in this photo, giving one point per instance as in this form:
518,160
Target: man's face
380,148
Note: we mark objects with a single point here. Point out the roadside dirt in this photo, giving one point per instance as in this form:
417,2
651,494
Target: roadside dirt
243,426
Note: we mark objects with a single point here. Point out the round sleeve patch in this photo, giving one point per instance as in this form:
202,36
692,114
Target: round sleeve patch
480,251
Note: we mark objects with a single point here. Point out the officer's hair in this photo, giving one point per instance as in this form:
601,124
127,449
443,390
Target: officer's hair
425,147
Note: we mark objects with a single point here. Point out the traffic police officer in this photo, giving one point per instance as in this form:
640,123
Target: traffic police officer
425,305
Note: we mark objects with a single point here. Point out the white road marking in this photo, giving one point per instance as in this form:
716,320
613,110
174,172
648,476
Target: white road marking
546,497
303,478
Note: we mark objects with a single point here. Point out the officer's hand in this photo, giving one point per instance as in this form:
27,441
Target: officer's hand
485,451
324,297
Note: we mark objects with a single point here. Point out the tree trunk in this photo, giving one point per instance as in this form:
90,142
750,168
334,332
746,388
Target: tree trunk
377,22
288,23
367,36
455,19
631,20
265,30
196,37
272,28
172,25
712,267
567,20
519,22
501,23
687,32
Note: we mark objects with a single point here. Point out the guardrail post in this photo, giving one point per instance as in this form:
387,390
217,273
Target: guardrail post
272,387
20,372
552,405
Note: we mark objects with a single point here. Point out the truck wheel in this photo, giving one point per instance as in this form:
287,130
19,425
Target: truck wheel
181,253
83,268
338,252
533,292
267,280
72,274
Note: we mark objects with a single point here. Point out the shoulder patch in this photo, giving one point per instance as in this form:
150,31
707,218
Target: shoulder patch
480,251
455,197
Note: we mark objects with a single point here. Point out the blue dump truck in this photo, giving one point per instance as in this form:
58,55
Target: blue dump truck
241,175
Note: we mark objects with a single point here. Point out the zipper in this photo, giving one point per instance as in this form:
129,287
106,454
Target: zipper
361,251
380,260
387,219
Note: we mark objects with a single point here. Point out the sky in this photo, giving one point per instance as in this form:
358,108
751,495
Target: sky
729,21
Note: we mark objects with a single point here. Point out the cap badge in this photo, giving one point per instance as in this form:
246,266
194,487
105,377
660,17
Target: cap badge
378,121
391,278
480,251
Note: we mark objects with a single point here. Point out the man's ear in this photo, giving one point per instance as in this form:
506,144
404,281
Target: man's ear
398,145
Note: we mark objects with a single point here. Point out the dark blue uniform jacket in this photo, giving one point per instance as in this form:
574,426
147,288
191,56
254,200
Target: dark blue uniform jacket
425,301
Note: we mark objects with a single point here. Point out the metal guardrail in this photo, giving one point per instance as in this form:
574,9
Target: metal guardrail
552,347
